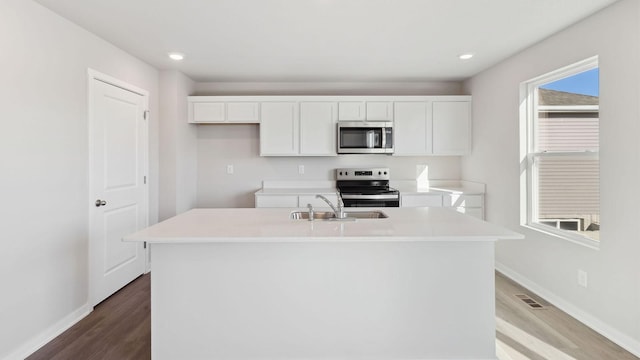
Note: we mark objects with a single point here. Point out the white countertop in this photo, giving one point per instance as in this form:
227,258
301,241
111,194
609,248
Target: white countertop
439,186
296,191
274,225
404,186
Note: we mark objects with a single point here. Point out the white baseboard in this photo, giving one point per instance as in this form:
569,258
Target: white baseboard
49,334
623,340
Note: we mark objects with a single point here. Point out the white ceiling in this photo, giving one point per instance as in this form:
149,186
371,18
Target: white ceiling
324,40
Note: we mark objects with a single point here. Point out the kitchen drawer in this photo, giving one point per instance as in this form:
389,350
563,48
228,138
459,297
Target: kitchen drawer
475,212
277,201
458,200
419,200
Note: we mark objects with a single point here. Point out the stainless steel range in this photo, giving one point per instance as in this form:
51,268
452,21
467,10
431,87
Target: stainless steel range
366,188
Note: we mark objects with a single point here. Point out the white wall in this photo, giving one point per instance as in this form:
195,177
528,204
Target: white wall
178,151
546,264
238,145
44,200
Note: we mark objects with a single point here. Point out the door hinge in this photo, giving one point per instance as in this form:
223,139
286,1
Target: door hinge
145,244
145,115
145,179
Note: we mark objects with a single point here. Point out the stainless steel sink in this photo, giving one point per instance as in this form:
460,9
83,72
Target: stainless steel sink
329,215
376,214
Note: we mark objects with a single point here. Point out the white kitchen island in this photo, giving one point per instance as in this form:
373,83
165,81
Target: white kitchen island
254,284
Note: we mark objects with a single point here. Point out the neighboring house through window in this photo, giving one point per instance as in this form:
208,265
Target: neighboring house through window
561,133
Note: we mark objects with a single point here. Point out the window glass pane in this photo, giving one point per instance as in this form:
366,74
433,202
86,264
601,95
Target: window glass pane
569,193
568,131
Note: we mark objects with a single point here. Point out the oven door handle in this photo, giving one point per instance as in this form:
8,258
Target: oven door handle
368,197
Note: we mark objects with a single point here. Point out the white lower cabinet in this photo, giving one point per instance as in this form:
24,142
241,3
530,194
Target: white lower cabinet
463,200
293,201
467,204
276,201
419,200
475,212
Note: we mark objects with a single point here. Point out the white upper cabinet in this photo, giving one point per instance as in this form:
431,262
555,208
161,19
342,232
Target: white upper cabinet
206,112
412,128
318,128
279,128
243,112
436,126
211,110
365,110
352,111
379,111
298,129
306,125
451,127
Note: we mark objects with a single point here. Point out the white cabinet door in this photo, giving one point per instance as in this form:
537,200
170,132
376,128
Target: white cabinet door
475,212
279,133
318,128
419,200
470,204
379,110
206,112
211,111
365,110
412,128
351,110
243,112
458,200
451,127
277,201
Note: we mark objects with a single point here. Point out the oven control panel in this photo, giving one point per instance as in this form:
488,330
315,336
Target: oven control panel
362,174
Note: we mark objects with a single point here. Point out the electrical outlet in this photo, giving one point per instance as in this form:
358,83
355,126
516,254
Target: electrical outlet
582,278
229,169
301,169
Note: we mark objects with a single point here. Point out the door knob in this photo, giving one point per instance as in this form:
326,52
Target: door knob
100,203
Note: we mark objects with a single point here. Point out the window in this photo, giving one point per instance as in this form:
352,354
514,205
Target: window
561,188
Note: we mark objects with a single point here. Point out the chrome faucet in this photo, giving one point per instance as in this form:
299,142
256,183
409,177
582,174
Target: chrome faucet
339,211
311,212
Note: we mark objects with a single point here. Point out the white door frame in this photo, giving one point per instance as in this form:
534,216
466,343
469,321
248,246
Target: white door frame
91,76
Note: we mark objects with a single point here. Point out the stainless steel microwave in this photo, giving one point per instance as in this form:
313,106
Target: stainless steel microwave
365,137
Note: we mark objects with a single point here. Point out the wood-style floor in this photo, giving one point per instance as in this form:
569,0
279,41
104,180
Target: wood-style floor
119,328
548,333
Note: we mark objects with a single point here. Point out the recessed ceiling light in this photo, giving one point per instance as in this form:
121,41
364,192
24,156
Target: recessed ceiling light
176,56
465,56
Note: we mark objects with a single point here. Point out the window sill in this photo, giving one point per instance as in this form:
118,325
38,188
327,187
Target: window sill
565,235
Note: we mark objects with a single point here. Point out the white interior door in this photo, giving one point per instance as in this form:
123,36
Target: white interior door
119,197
